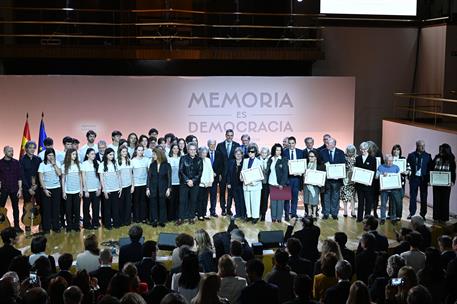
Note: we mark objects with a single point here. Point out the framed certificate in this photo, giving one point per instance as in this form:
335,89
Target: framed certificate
390,181
297,166
362,176
315,177
440,178
252,175
336,171
401,163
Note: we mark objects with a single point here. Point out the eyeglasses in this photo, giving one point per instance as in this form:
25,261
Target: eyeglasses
251,151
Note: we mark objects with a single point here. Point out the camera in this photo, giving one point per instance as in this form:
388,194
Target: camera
33,278
396,282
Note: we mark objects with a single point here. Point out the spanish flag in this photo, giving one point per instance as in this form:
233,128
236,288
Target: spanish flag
25,136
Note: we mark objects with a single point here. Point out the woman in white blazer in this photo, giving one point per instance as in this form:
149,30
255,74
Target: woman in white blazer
252,191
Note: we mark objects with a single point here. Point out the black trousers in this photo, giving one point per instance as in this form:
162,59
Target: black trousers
202,201
14,202
73,210
91,202
139,204
366,201
111,210
173,203
157,207
63,212
225,206
51,210
441,197
125,206
187,201
264,200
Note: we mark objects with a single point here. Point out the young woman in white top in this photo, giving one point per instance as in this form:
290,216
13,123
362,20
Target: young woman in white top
126,175
92,190
140,165
173,159
144,142
206,182
110,180
132,143
252,190
72,189
49,173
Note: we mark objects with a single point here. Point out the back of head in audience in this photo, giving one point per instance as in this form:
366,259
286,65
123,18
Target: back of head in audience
42,266
235,248
343,270
132,298
419,295
255,269
294,246
91,244
190,275
184,239
409,277
135,233
72,295
56,289
38,244
281,258
106,257
20,264
174,298
341,238
159,274
209,287
149,249
445,242
417,221
414,239
119,285
107,299
394,263
371,223
303,286
328,264
330,245
8,235
65,261
35,295
226,266
359,294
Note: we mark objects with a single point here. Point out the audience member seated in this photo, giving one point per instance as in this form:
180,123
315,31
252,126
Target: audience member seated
186,282
135,284
38,249
184,250
378,287
132,252
398,294
419,295
371,226
358,294
88,260
208,291
451,276
205,251
147,262
20,265
119,285
281,276
87,286
339,293
414,257
10,288
35,295
258,290
447,253
326,278
65,261
303,290
328,245
432,275
308,235
418,224
43,269
7,251
298,264
159,276
240,264
105,272
366,258
56,288
132,298
174,298
246,251
380,269
182,240
231,284
73,295
349,255
401,238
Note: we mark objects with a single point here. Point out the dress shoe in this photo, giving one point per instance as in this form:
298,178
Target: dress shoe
383,222
161,224
214,215
254,221
229,213
224,213
335,217
287,218
409,217
154,224
325,217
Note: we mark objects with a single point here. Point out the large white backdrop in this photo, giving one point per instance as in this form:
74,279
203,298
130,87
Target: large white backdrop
267,108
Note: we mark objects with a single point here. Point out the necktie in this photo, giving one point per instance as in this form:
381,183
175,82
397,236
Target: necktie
292,157
211,155
331,156
229,146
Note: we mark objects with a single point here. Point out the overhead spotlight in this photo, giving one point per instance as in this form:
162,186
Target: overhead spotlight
299,0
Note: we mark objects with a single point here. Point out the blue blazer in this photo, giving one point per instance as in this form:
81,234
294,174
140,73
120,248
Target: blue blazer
338,157
299,154
425,166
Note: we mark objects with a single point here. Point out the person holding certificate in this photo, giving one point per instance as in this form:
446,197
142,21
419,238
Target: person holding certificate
277,175
394,195
332,155
311,192
234,183
264,157
365,193
444,161
252,190
348,189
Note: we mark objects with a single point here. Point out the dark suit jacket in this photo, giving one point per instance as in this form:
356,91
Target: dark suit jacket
156,294
225,157
232,178
337,294
382,244
369,164
338,158
425,165
132,252
301,265
245,150
281,169
365,261
216,162
426,237
98,157
159,182
7,253
144,271
446,257
284,279
309,237
349,256
103,275
67,275
260,292
298,154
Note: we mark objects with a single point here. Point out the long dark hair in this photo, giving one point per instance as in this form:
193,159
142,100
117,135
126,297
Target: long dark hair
46,153
170,153
67,160
119,156
190,275
397,146
128,139
273,149
95,162
141,139
105,159
446,153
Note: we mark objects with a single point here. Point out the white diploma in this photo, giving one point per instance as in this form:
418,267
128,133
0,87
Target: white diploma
335,171
390,181
252,175
400,163
440,178
315,177
297,166
362,176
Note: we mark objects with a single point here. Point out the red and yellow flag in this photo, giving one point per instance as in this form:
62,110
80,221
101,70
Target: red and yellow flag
25,136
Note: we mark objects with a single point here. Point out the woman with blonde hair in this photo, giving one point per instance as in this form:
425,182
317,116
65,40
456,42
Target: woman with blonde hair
328,246
205,250
209,287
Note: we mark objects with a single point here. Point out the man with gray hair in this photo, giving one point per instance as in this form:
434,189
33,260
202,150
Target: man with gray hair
72,295
394,195
213,155
365,193
101,150
245,142
340,292
309,143
11,183
420,163
105,272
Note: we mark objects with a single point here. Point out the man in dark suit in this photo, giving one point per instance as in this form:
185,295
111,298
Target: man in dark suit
245,142
309,236
365,193
325,139
332,155
101,150
420,163
292,153
339,293
371,226
341,238
447,253
365,259
145,265
309,143
227,150
298,264
132,252
214,156
105,272
8,252
258,291
159,275
65,261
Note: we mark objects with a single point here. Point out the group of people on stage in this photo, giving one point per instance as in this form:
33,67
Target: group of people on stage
154,180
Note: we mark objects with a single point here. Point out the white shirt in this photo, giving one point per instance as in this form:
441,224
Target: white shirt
72,179
126,175
115,148
131,151
91,179
110,176
50,178
140,170
207,178
174,163
272,179
148,153
88,261
60,155
83,149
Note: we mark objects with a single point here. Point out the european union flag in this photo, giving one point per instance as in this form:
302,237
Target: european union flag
42,135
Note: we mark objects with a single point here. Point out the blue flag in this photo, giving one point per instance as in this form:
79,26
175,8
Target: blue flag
42,135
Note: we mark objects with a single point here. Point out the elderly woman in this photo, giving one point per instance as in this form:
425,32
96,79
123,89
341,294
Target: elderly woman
206,182
252,191
394,195
311,192
348,189
264,157
365,193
